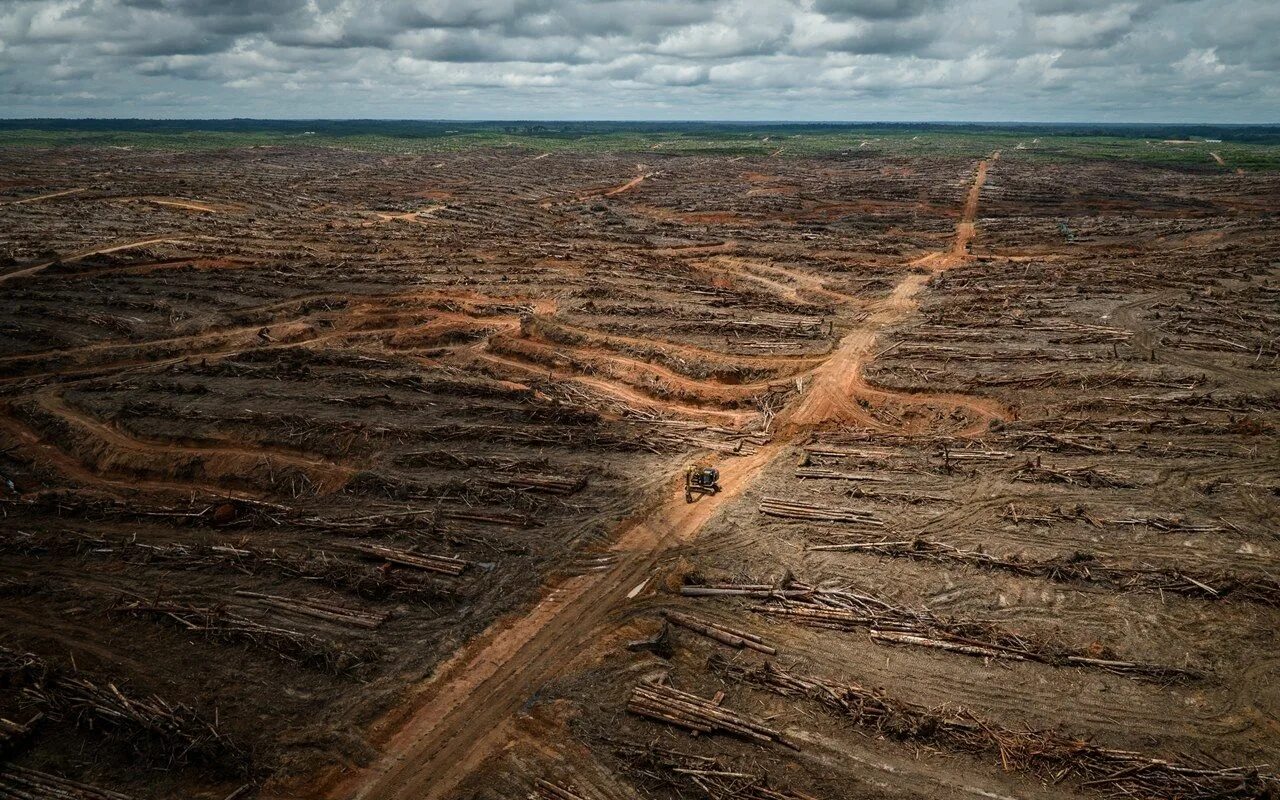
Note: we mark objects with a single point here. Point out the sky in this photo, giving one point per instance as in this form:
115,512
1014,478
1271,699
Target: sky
1212,61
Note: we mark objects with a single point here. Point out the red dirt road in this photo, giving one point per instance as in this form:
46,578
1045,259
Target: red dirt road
459,715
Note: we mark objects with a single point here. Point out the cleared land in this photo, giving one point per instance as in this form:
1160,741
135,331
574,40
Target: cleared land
342,474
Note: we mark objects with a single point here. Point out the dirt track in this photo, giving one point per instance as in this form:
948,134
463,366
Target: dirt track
111,248
465,709
1071,429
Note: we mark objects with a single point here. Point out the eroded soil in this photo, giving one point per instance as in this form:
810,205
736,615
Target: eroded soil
456,395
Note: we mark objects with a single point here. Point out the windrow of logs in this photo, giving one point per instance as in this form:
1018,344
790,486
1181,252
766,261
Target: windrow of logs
20,783
846,610
792,509
223,624
161,732
316,566
702,775
1035,472
689,711
836,475
1081,568
447,565
1051,755
723,634
547,484
1167,524
319,609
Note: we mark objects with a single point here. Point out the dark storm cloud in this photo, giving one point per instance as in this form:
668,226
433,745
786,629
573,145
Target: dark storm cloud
875,9
1055,59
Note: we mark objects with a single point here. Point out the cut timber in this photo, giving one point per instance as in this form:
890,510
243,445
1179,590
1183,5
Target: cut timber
791,509
720,633
20,783
319,609
1048,754
833,475
698,714
405,558
546,790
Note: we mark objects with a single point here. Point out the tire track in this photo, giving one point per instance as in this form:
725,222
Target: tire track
463,712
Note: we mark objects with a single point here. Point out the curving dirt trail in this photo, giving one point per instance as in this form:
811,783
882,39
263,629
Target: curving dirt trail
38,198
117,452
462,713
629,185
111,248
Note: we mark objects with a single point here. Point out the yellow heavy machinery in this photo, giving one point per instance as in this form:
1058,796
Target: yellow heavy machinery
699,481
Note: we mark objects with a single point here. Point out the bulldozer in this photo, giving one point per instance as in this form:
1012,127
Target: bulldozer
699,481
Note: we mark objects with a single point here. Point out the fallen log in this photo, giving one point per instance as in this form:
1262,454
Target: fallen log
834,475
667,704
370,620
1082,568
158,730
447,565
729,636
21,783
791,509
1049,754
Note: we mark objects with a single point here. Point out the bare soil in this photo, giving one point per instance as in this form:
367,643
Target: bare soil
383,490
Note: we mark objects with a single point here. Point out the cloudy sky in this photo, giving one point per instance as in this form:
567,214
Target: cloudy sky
1042,60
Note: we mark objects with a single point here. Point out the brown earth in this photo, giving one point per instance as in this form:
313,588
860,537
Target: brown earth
255,397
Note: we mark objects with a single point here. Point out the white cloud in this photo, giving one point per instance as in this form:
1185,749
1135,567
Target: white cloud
802,59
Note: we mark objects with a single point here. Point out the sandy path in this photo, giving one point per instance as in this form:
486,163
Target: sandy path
805,281
689,350
111,248
29,440
838,384
326,475
38,198
470,701
627,395
186,204
629,185
458,716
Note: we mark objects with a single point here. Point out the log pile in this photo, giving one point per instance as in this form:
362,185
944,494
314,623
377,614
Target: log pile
1082,568
489,518
1164,523
835,475
316,566
845,610
20,783
1035,472
792,509
698,714
547,484
160,731
705,776
1050,755
320,609
222,624
723,634
447,565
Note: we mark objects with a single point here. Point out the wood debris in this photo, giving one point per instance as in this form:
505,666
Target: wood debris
732,637
1048,754
698,714
1082,568
792,509
20,783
